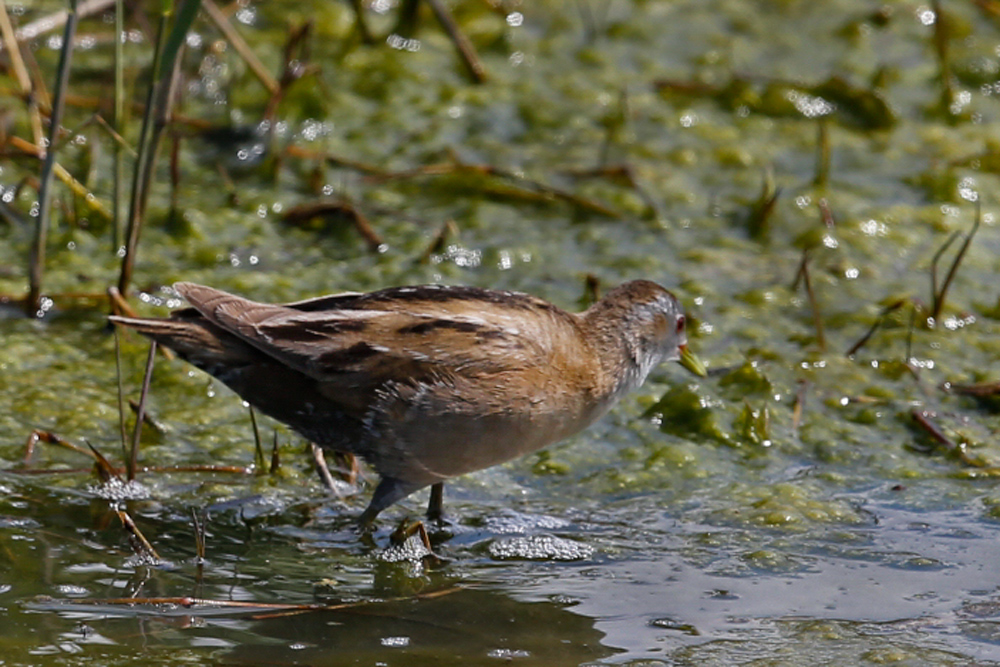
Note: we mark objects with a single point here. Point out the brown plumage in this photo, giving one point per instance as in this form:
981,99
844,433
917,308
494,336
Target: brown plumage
426,382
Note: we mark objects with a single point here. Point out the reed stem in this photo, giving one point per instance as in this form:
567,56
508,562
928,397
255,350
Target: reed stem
37,262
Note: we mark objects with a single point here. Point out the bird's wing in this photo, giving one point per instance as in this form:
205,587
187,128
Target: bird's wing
358,340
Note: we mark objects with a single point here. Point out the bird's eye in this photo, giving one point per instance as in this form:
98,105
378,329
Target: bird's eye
680,323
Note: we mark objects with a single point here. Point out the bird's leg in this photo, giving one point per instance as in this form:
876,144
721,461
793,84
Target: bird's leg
388,491
435,505
347,467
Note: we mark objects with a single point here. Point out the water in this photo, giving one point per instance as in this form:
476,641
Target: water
787,510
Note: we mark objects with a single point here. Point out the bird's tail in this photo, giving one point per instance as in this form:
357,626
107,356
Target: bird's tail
194,338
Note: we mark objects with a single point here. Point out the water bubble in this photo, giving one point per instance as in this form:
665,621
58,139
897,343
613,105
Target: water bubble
401,43
395,642
967,189
247,15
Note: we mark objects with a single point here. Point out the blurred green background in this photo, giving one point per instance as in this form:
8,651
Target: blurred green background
793,170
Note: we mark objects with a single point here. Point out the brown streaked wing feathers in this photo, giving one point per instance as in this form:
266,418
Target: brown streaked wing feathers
361,346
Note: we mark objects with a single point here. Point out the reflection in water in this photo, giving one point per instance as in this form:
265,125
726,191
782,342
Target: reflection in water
466,627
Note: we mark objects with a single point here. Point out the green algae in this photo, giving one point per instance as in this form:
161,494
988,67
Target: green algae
762,472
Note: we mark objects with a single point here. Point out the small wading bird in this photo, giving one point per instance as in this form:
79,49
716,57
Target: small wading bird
429,382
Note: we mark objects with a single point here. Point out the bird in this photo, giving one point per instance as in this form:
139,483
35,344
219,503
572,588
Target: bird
427,382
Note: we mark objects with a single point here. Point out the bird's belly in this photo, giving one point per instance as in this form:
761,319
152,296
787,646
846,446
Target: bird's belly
450,444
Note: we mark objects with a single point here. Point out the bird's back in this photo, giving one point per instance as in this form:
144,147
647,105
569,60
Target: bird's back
424,382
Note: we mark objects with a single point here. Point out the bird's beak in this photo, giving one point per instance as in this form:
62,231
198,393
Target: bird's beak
690,361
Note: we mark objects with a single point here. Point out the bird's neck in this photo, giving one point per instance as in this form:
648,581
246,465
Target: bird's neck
622,362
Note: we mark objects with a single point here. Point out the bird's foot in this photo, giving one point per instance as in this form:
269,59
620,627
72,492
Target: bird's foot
406,530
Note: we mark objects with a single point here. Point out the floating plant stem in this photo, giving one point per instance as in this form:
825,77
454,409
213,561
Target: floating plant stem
167,607
614,123
240,45
826,213
925,420
985,390
874,327
758,222
466,51
799,406
147,417
909,333
942,34
813,303
522,189
295,58
361,22
337,210
275,455
436,246
105,471
199,536
934,262
133,459
140,544
406,17
121,396
938,295
822,152
50,438
258,457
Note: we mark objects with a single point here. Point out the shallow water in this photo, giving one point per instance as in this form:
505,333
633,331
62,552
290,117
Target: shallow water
787,510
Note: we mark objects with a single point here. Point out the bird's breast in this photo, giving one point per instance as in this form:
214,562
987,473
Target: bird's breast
451,428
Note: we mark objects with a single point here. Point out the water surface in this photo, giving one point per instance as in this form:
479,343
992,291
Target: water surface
787,510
